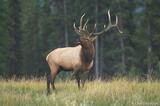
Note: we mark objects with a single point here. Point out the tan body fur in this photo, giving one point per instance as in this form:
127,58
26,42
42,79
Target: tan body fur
67,58
70,59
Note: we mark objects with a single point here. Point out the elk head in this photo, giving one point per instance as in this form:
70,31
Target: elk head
86,37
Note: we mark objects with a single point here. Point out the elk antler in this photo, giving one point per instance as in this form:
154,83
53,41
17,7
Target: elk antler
110,25
82,30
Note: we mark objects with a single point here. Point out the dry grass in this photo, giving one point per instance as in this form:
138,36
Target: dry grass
97,93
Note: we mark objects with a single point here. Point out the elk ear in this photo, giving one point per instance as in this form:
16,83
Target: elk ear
94,38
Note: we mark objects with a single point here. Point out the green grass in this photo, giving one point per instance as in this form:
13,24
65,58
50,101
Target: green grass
97,93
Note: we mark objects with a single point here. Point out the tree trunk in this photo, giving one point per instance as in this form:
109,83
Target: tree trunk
149,52
122,46
123,54
65,24
101,57
97,44
149,65
15,33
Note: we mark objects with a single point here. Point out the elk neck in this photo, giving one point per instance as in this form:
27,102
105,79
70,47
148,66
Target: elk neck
87,54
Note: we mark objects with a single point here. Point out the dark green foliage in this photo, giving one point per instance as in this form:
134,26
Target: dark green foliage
5,39
30,29
15,34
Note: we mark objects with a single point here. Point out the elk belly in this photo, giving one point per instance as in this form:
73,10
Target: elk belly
69,60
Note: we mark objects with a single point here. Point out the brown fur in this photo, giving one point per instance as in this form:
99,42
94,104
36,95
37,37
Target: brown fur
87,51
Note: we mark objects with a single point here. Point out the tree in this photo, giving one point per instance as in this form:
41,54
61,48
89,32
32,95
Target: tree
15,33
6,40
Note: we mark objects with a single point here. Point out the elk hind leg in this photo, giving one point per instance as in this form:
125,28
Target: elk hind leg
53,80
48,84
54,72
51,77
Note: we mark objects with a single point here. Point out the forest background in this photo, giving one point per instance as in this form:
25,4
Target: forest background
30,29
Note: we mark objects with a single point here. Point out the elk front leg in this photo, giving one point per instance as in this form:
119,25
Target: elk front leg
84,77
78,80
76,73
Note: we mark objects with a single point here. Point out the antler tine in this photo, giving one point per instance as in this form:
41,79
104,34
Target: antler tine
117,25
109,17
110,22
116,20
76,30
82,30
81,21
110,25
85,25
95,25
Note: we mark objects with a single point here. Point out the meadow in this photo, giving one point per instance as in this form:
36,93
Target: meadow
119,92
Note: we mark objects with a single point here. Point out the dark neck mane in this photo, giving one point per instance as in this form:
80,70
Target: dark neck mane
87,55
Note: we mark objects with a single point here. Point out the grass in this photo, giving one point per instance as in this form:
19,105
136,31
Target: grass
96,93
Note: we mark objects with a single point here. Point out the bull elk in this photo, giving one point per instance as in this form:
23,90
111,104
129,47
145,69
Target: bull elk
78,59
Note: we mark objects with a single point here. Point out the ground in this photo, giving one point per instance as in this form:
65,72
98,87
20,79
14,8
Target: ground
119,92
